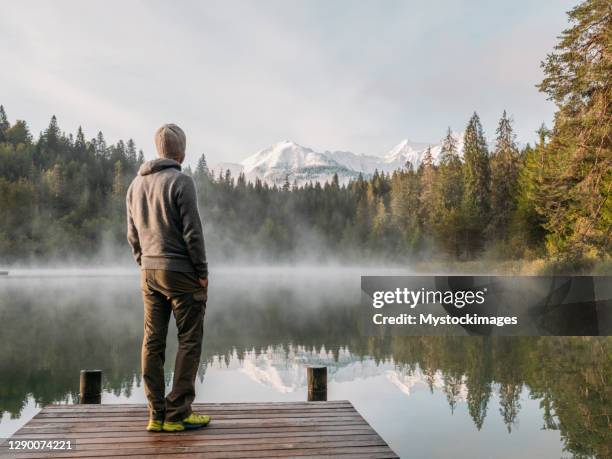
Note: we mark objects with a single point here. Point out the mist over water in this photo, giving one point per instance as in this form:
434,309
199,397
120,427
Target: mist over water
474,396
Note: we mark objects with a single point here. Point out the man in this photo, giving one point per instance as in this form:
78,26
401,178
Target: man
165,232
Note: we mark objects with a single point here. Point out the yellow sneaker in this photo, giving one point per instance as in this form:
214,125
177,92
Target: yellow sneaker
154,426
173,426
195,421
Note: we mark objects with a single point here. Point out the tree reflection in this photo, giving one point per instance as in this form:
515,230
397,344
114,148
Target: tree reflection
48,338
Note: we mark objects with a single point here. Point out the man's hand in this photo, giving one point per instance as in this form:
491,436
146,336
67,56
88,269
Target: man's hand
204,282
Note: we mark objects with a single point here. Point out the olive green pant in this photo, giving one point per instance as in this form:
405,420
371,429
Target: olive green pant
165,293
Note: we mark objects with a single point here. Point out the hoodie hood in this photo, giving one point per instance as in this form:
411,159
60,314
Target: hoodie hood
156,165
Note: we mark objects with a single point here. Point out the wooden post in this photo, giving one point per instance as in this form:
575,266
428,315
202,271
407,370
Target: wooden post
317,384
91,386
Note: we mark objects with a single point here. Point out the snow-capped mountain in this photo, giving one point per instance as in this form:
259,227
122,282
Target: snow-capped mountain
287,160
414,152
405,151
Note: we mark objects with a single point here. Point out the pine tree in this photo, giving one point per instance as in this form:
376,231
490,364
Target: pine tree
202,167
52,134
476,199
528,223
131,152
141,158
101,147
120,151
363,213
448,192
4,124
405,206
427,174
241,183
18,133
578,169
504,180
335,181
79,143
449,150
228,180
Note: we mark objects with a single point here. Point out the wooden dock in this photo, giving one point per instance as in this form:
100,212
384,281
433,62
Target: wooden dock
238,430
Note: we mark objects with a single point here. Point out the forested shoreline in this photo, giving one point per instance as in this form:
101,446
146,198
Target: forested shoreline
62,196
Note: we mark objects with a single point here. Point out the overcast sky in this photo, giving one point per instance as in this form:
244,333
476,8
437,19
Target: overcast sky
241,75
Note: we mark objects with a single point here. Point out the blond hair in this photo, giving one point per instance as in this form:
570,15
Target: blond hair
170,141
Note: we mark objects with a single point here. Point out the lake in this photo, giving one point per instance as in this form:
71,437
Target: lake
469,397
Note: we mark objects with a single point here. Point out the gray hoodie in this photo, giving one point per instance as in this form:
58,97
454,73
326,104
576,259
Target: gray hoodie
163,223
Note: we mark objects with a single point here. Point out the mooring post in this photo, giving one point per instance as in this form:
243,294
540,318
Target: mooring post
91,386
317,383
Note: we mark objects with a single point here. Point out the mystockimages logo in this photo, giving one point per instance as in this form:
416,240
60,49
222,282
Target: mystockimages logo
413,298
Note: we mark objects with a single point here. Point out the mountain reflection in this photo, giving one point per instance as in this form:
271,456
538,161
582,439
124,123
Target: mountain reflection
50,330
285,371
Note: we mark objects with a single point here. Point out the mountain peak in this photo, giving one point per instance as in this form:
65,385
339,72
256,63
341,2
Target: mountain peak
284,155
287,159
287,143
406,150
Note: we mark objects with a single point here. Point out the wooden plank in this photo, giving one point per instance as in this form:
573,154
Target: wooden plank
126,421
230,414
144,412
225,429
103,410
100,427
211,431
239,430
228,406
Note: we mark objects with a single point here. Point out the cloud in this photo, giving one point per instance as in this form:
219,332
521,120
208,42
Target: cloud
241,75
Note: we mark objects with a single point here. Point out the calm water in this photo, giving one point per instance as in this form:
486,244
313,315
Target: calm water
428,397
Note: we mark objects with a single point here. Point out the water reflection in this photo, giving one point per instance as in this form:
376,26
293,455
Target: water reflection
263,328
